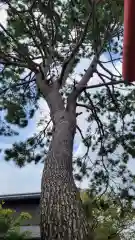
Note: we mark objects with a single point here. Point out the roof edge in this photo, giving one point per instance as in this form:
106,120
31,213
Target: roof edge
20,196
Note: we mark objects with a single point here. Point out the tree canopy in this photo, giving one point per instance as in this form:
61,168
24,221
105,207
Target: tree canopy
54,37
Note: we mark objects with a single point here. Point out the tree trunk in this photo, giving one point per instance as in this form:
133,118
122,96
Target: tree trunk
62,215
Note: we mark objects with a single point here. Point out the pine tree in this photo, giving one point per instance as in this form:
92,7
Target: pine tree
41,45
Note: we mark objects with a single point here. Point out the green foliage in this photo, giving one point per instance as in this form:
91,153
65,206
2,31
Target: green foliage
10,225
110,217
112,140
34,32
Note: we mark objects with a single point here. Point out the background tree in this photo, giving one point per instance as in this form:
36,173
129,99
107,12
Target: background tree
41,46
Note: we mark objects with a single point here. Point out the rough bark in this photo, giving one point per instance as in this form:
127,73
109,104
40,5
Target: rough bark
62,215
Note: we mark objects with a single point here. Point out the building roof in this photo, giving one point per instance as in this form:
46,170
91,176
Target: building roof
20,196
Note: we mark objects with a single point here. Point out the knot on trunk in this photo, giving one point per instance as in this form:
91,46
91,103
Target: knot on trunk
59,117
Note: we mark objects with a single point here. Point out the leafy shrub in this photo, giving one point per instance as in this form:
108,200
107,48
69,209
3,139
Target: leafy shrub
10,224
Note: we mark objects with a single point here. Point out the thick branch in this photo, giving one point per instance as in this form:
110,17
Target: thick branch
86,77
51,94
81,86
68,62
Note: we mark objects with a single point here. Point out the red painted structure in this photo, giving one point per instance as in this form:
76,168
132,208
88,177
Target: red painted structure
129,41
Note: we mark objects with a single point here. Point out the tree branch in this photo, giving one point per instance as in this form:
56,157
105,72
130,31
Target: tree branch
16,85
97,119
10,62
86,77
113,60
68,62
28,28
108,84
80,132
83,105
109,91
107,70
105,76
23,54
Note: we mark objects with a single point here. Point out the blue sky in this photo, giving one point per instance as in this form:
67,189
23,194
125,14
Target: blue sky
12,178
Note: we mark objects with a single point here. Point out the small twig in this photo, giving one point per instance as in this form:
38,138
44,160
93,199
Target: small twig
107,70
110,61
109,91
80,132
99,123
109,84
83,105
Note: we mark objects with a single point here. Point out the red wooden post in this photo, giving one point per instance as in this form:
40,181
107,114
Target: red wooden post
128,67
